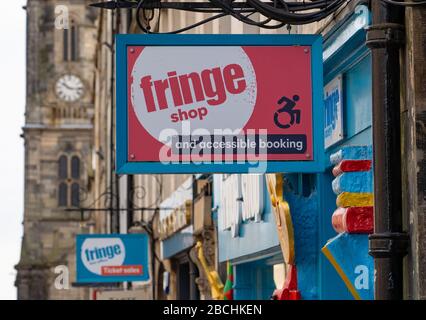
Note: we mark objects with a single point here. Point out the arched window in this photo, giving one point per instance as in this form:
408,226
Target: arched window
65,44
63,194
75,167
63,167
69,174
70,42
75,194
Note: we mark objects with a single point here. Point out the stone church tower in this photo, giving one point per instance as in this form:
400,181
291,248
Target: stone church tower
58,135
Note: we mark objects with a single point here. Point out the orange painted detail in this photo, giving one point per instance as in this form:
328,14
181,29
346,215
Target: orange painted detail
353,220
351,166
289,291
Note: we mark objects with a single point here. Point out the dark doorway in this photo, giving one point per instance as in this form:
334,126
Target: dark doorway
183,284
187,273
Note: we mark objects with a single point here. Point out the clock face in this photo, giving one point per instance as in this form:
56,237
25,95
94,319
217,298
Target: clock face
69,88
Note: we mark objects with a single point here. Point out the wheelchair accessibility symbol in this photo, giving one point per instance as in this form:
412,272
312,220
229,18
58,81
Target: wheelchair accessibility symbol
289,105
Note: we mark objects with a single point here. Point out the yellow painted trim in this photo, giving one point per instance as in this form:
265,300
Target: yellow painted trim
212,275
279,186
283,220
351,199
287,232
341,273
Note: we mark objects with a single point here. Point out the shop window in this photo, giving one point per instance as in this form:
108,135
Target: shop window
256,280
358,99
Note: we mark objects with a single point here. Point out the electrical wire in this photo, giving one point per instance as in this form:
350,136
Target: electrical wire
266,9
280,11
147,29
296,18
245,19
406,3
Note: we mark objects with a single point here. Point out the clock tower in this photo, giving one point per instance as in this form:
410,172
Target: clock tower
58,137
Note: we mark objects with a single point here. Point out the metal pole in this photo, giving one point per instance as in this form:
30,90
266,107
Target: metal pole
153,280
388,244
111,129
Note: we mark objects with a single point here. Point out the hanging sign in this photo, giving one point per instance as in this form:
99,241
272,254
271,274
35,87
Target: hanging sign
242,103
122,295
112,258
333,104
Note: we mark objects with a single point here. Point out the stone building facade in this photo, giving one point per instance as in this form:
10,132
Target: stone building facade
413,117
64,128
58,138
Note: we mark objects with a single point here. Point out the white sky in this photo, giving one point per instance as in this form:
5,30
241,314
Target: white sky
12,106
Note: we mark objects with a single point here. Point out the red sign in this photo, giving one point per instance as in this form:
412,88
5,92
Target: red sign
121,270
193,103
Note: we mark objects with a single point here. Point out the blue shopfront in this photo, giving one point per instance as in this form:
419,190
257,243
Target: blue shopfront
247,232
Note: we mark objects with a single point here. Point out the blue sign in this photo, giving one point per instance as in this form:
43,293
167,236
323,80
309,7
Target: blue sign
333,105
112,258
